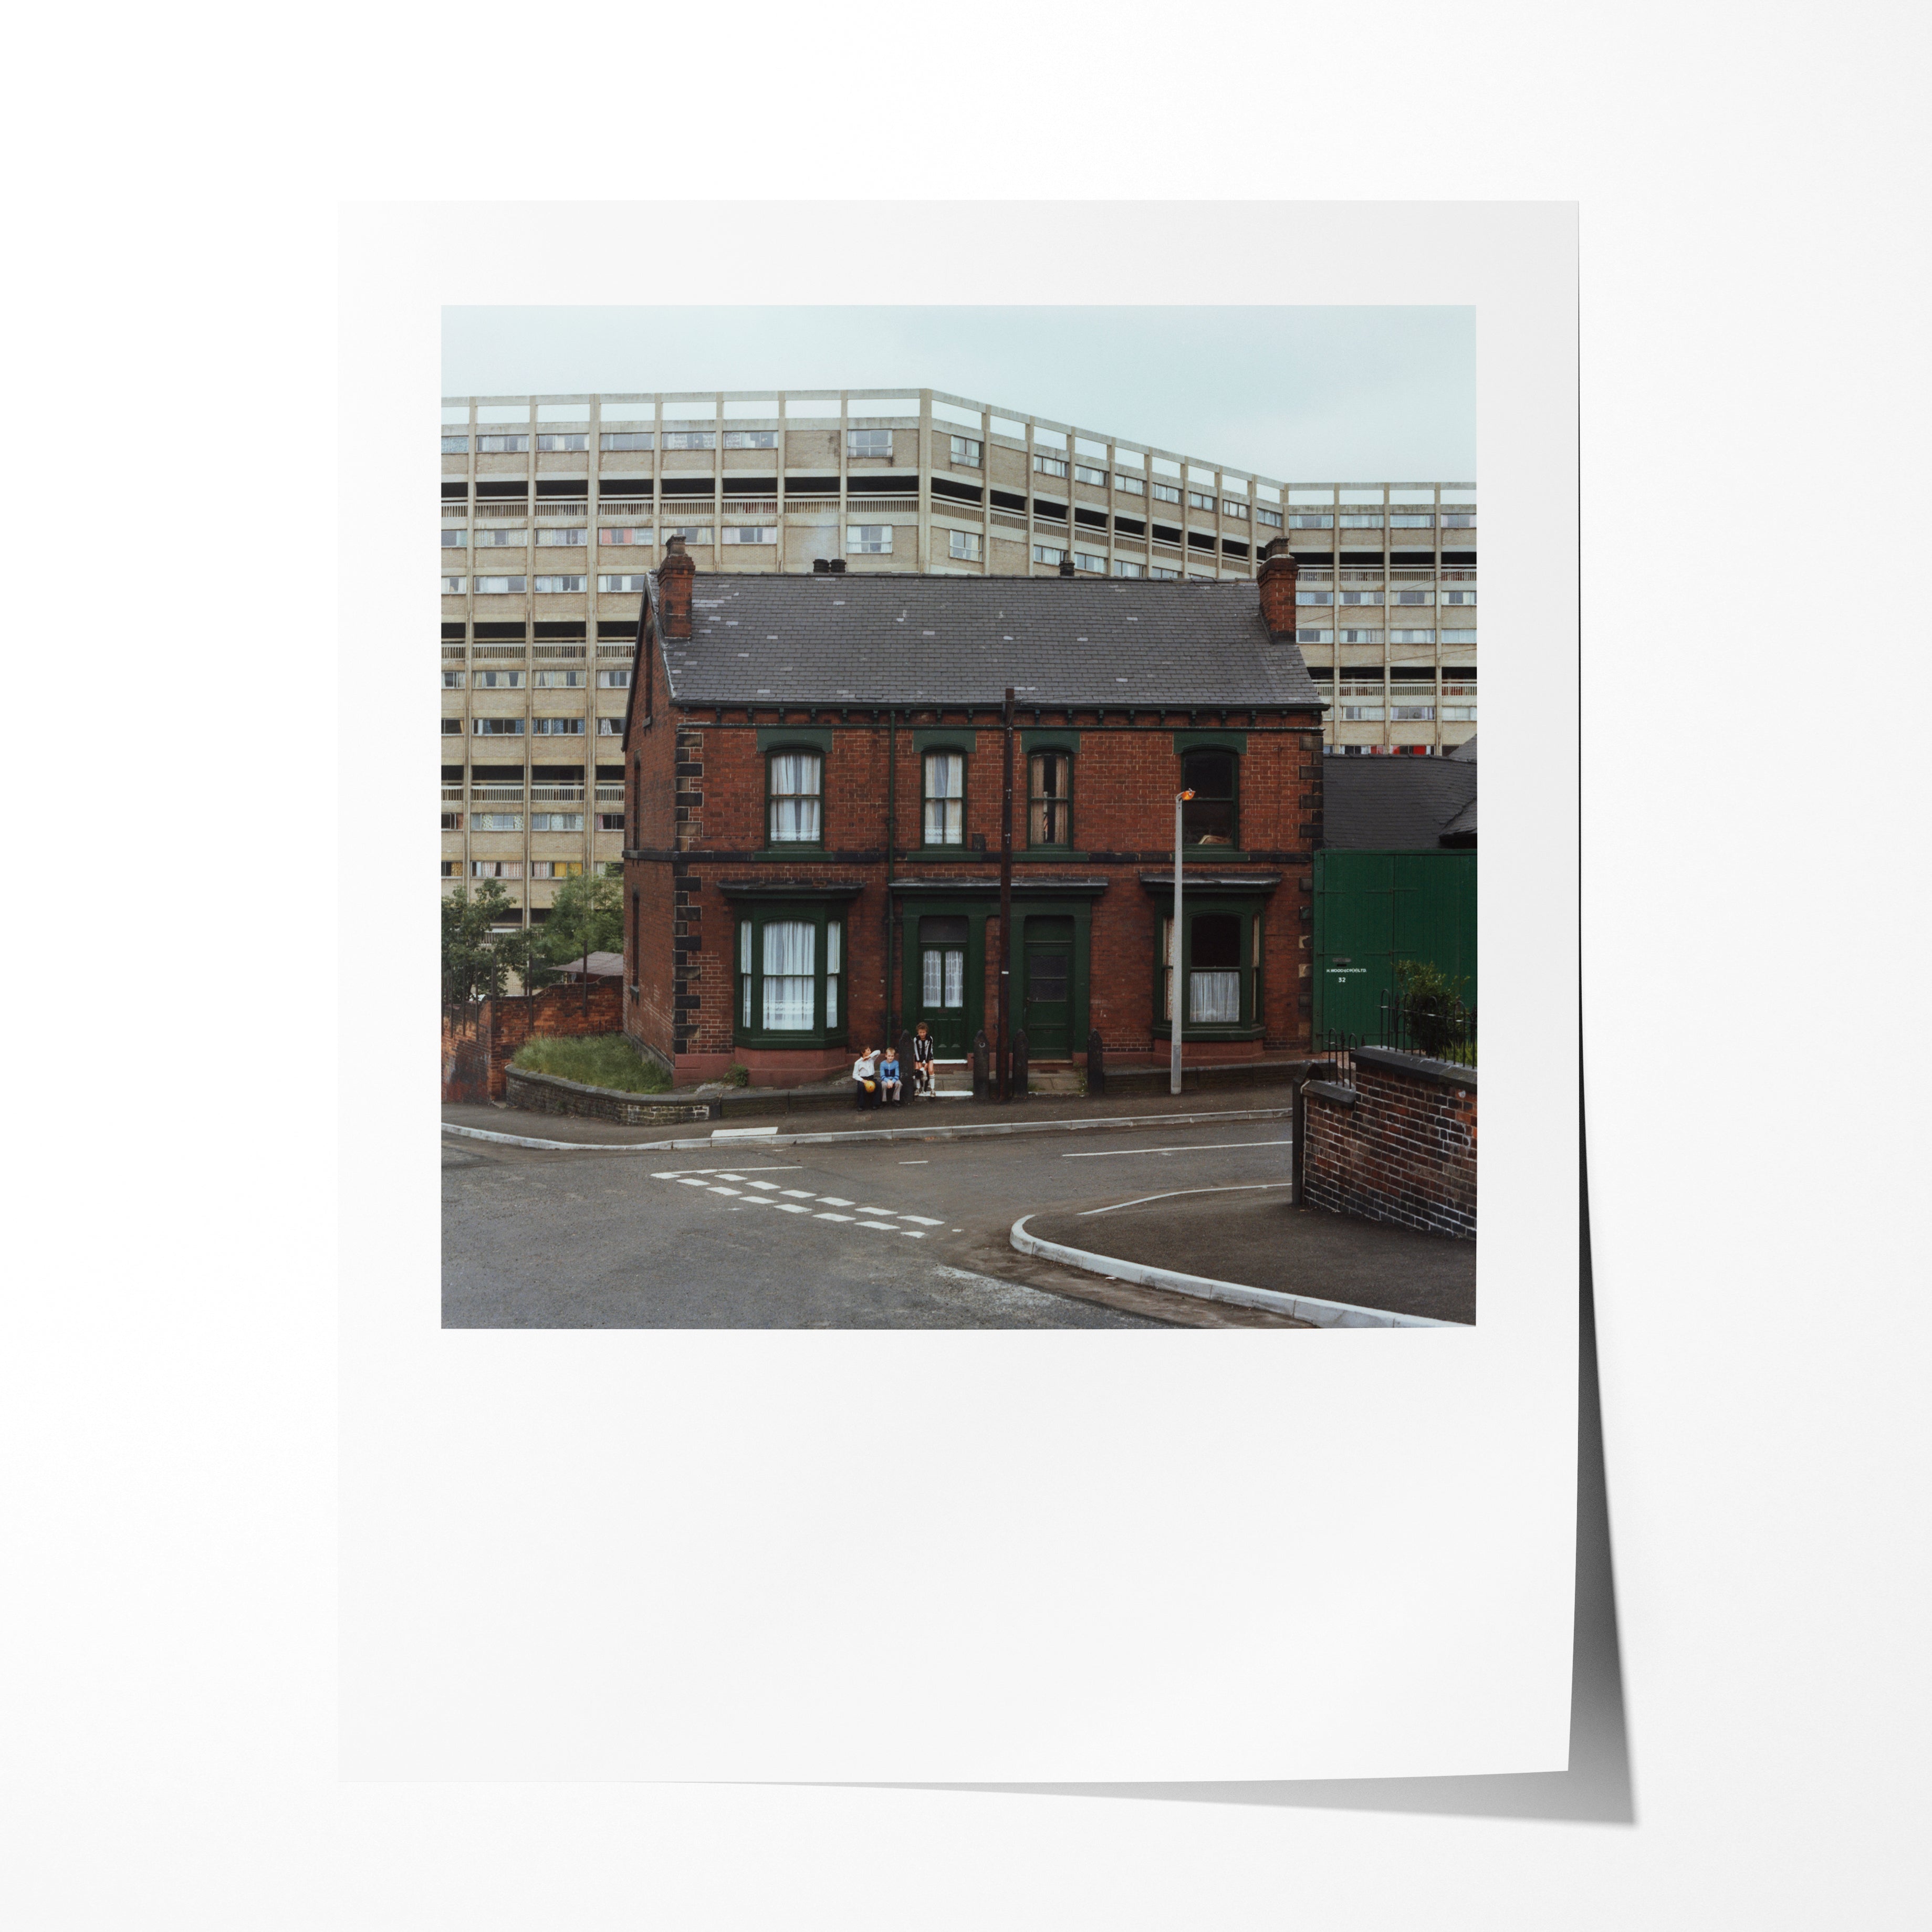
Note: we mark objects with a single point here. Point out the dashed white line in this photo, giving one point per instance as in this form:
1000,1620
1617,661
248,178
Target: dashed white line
834,1200
790,1207
924,1220
799,1193
1206,1146
887,1224
832,1217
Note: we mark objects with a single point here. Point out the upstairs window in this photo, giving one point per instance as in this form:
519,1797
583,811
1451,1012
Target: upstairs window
1049,799
1208,818
554,585
561,539
688,438
626,533
1200,500
868,540
965,450
1165,493
944,799
559,680
456,445
502,445
625,438
1083,474
1132,485
868,443
1050,466
750,439
613,680
794,784
553,442
964,545
457,539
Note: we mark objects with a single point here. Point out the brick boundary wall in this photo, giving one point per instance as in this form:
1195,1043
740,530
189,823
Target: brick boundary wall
479,1040
1399,1145
547,1093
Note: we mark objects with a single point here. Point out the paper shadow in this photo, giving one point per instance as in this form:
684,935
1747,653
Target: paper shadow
1596,1789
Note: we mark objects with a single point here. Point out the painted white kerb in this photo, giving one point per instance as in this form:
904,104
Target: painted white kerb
1304,1308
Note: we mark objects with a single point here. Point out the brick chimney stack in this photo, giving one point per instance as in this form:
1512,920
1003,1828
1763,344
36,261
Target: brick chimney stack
674,575
1279,572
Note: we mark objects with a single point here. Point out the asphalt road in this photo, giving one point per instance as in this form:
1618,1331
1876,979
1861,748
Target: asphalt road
853,1236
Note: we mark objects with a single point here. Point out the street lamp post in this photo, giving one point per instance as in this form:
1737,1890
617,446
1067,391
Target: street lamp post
1175,993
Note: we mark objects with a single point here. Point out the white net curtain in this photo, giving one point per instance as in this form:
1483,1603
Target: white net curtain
795,798
945,798
789,949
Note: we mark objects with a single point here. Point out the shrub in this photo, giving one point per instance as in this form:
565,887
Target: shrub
599,1059
1434,1021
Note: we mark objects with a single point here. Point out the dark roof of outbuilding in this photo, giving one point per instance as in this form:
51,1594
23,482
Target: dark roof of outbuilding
955,640
1465,752
1463,825
1398,804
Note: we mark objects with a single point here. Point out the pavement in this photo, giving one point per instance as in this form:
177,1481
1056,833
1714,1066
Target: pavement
1261,1239
922,1115
868,1235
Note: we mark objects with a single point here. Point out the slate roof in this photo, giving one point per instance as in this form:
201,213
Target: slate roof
912,639
1396,804
1466,750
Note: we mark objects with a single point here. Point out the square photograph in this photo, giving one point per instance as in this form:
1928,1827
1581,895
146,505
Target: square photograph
982,868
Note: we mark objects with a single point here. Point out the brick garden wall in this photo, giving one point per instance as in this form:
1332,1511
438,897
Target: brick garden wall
479,1040
1401,1147
700,820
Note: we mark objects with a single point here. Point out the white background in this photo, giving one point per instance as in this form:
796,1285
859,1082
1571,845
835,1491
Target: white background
800,1556
1751,335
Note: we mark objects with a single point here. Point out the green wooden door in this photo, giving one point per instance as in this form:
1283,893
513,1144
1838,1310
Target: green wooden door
1048,999
943,946
1373,908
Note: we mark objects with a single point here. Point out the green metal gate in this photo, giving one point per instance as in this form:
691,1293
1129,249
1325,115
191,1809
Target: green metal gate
1373,908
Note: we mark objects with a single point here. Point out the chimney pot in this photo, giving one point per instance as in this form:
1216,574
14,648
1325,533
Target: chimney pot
837,566
1276,581
820,566
1066,566
674,576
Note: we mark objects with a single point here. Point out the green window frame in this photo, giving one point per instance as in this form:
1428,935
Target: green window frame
794,797
943,810
790,968
1212,817
1221,960
1049,823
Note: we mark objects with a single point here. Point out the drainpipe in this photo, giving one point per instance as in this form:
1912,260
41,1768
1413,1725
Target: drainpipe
1177,993
891,834
1006,886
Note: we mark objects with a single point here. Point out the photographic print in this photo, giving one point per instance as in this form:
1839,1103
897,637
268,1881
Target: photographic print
913,858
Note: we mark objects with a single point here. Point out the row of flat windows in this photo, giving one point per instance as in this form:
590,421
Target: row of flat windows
540,821
534,728
1376,597
795,798
542,680
1397,520
518,868
1360,634
859,443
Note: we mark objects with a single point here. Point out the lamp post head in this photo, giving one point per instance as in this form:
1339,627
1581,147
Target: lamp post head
1181,797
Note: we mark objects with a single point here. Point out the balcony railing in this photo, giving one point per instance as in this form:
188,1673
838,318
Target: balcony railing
575,509
873,505
610,794
615,650
496,794
454,651
452,794
735,507
556,794
502,507
624,509
558,651
499,651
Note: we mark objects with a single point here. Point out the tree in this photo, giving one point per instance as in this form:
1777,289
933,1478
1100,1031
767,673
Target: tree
522,951
587,915
473,966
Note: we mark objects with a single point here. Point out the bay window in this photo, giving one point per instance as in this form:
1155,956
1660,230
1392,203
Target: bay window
789,959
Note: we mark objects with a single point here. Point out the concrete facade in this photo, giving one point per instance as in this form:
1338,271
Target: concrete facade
555,508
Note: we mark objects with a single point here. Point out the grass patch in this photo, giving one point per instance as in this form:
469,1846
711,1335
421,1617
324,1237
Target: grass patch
601,1060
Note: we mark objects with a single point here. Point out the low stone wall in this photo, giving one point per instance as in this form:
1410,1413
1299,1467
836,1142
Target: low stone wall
545,1093
1398,1145
1199,1077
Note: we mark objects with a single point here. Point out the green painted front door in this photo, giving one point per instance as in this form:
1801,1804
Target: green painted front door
942,983
1049,998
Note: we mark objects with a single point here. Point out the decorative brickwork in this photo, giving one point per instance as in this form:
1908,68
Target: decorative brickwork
1399,1146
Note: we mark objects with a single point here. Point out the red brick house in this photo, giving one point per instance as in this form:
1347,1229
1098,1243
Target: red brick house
814,770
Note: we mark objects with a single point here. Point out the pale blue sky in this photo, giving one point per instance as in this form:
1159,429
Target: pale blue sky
1323,393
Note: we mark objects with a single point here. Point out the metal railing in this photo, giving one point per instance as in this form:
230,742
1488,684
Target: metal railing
624,509
1440,1029
610,794
573,507
518,507
558,651
556,794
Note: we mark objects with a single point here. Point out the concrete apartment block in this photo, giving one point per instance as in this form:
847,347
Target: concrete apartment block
555,507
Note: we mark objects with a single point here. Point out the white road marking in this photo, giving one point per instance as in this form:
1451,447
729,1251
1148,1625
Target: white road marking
692,1180
915,1163
834,1200
769,1187
727,1190
790,1207
887,1224
1245,1187
1211,1147
913,1231
799,1193
864,1209
758,1200
924,1220
832,1217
